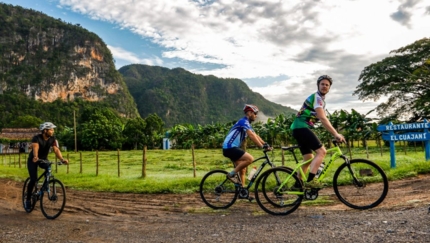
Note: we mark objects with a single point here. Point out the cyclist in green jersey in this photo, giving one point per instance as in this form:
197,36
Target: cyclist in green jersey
312,111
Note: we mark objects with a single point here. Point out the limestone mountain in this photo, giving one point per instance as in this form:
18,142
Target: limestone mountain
46,59
179,96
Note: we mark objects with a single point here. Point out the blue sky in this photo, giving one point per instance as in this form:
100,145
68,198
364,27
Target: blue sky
279,48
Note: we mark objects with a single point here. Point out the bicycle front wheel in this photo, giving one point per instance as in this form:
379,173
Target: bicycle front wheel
53,201
276,191
217,191
33,199
361,184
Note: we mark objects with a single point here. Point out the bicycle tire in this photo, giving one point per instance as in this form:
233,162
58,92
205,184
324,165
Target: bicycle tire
267,189
368,191
24,196
52,202
217,191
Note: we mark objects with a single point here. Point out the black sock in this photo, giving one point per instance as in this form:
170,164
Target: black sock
311,177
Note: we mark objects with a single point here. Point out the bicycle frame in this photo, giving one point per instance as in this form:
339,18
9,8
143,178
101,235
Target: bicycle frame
260,168
337,153
45,185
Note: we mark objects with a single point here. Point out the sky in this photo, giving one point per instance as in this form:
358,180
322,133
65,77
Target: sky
279,48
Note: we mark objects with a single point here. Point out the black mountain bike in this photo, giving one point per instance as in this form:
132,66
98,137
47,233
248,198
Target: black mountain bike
218,192
49,191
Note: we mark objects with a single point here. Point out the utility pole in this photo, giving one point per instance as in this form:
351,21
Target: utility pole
74,129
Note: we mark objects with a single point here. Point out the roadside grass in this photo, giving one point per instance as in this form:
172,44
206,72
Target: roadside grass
172,171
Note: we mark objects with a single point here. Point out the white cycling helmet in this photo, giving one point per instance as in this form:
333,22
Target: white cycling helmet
249,107
46,125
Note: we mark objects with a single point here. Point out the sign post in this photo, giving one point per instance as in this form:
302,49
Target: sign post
388,134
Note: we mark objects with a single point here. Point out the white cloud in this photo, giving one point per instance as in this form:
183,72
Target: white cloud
122,54
300,39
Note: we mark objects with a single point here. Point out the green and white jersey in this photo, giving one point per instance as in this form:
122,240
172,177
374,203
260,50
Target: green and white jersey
307,116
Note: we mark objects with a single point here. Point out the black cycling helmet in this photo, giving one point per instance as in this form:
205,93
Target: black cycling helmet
325,77
249,107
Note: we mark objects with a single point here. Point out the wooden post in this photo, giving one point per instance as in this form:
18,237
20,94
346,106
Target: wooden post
80,159
74,129
19,160
68,164
144,162
14,163
97,162
194,161
119,171
283,157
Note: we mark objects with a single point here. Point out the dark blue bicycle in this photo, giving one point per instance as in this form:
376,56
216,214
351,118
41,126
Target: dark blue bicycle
49,191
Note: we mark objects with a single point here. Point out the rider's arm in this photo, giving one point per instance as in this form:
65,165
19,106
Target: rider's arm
255,138
327,125
35,152
59,155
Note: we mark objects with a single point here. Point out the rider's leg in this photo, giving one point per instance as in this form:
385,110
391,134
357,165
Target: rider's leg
32,171
241,164
305,167
316,162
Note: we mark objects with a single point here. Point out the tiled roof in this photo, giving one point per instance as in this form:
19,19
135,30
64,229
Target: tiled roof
19,133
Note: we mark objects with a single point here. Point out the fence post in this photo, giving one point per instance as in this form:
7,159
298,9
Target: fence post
97,162
194,161
19,160
68,164
119,171
80,159
144,162
283,157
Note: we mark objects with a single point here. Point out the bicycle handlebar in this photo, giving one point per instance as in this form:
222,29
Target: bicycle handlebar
43,161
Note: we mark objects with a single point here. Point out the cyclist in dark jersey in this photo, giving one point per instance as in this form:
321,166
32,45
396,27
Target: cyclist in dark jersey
312,111
40,145
234,139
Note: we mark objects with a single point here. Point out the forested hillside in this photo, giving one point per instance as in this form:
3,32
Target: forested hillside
48,66
179,96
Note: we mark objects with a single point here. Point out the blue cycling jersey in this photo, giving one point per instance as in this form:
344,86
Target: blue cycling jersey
237,134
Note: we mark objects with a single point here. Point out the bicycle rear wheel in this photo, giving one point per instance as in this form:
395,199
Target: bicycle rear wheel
362,184
273,198
53,201
217,191
24,196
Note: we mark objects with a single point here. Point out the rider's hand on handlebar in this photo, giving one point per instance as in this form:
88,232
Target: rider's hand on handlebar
266,146
65,162
340,138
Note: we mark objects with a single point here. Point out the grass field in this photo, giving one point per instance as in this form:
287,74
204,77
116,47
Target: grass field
172,171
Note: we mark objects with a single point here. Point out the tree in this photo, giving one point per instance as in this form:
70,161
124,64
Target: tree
26,121
404,77
103,130
134,132
153,130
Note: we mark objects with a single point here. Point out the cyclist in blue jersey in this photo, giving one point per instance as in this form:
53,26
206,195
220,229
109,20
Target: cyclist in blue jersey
235,137
312,111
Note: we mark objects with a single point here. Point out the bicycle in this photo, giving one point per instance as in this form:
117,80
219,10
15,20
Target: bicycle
356,183
218,192
53,204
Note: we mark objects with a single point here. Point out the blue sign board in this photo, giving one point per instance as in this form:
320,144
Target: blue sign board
389,135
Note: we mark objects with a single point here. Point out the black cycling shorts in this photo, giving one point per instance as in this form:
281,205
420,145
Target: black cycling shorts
233,153
307,140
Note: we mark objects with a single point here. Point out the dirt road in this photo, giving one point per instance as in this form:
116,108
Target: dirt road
111,217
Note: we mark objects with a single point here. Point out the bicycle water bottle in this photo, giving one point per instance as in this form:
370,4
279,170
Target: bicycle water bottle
320,169
252,173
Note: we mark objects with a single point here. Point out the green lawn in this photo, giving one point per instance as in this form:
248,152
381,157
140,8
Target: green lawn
172,171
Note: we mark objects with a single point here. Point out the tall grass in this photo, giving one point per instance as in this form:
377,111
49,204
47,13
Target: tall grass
172,171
